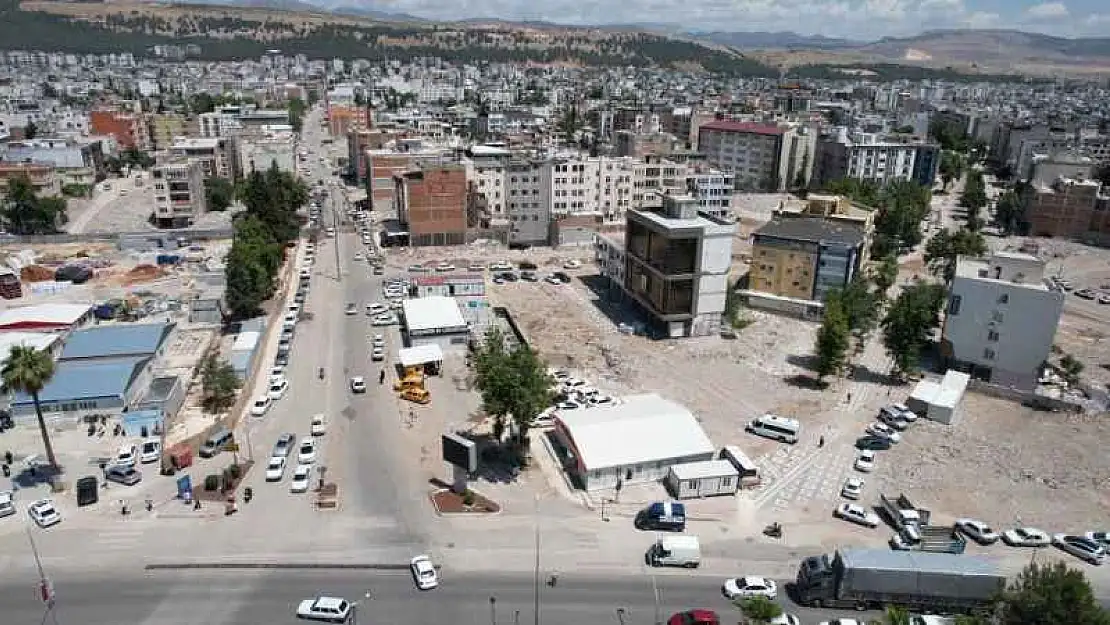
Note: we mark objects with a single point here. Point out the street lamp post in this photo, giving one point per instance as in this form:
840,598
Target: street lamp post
620,615
536,570
493,611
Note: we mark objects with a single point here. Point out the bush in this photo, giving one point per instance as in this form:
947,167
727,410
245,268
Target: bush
211,482
235,471
468,498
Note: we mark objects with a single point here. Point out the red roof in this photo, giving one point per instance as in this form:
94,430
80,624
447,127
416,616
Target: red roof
750,127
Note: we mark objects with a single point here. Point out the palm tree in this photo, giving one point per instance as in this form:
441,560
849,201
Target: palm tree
28,370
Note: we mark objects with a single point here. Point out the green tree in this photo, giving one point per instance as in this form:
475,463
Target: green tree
31,130
884,274
1050,594
297,109
860,305
759,609
25,213
220,384
974,199
832,338
251,266
949,134
28,370
273,197
1009,212
902,206
909,323
943,250
202,103
896,615
951,168
863,192
134,157
219,193
514,383
1070,369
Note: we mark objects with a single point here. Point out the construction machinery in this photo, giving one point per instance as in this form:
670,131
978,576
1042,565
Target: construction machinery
409,381
416,395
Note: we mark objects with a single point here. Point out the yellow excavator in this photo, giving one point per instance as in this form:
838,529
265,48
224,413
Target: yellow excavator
416,395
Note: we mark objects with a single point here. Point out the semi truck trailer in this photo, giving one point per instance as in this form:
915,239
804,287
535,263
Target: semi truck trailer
916,580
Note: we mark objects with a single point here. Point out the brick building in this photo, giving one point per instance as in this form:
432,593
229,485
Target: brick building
344,119
1066,208
431,204
128,129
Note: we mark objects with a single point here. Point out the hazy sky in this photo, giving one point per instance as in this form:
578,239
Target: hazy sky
867,19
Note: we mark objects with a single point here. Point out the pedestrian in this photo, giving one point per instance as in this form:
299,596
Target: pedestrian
381,377
849,397
821,442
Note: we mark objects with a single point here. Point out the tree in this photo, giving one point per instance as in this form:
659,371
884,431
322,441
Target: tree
273,197
28,370
949,134
951,168
909,322
1049,594
974,198
514,383
885,274
1009,212
26,213
31,130
202,103
896,615
219,193
1070,369
902,206
220,384
759,609
832,338
134,157
297,109
251,266
942,251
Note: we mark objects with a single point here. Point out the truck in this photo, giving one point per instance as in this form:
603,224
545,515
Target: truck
683,550
662,515
916,580
903,515
934,538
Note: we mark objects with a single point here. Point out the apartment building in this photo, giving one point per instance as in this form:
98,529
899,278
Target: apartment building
528,195
259,153
345,119
43,177
431,204
1066,208
128,129
382,167
1001,319
75,161
359,142
798,259
654,178
178,192
867,156
485,173
713,190
642,144
676,265
217,155
165,127
216,124
751,152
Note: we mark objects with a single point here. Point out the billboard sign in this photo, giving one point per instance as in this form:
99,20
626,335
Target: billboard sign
461,452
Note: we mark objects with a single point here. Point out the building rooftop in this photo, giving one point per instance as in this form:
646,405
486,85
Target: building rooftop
38,340
812,229
195,143
1016,268
748,127
80,380
44,314
432,313
131,339
643,428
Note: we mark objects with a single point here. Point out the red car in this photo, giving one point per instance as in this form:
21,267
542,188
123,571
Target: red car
694,617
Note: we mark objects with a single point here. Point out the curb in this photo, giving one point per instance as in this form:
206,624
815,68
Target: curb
475,515
180,566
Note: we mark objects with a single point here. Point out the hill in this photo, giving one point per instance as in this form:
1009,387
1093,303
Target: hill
237,32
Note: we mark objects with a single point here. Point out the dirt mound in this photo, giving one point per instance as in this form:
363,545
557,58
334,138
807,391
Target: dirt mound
143,273
36,273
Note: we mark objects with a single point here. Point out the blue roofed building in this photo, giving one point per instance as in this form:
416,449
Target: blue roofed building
117,340
104,386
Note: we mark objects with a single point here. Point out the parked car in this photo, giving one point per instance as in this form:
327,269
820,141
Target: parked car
1026,537
977,530
1086,294
284,443
873,443
278,387
853,488
695,617
377,354
127,456
351,309
1101,537
7,503
261,405
885,431
275,469
330,609
749,586
307,452
358,384
319,427
424,572
572,264
302,475
865,461
1081,547
126,475
856,514
43,513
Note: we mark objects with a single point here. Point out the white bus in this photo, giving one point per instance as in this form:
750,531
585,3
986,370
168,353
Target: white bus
782,429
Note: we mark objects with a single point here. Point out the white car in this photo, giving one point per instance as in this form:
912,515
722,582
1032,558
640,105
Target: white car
275,470
841,621
377,354
852,489
445,267
43,513
306,453
127,456
277,371
358,385
1100,537
501,266
865,461
884,431
376,308
301,476
151,451
319,428
358,257
330,609
784,619
7,503
424,573
351,309
572,264
278,387
1026,537
745,587
261,405
905,413
1086,549
384,320
856,514
378,341
977,530
567,405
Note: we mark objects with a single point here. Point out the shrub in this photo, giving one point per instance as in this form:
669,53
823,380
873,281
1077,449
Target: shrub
468,498
211,482
235,471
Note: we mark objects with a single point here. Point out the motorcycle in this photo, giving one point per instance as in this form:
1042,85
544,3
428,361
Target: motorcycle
321,373
773,530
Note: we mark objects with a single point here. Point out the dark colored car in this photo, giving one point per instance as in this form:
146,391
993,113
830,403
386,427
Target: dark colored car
694,617
561,276
527,266
128,476
874,443
528,276
509,276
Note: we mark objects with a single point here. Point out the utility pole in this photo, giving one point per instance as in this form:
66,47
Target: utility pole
493,610
655,595
46,589
536,571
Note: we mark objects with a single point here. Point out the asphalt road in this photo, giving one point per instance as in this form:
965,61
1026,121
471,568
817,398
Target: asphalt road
270,597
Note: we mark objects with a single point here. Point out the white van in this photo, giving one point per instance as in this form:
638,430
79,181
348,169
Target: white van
782,429
682,550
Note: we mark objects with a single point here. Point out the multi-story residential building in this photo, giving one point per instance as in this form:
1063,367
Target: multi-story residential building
641,144
485,174
431,204
345,119
216,124
43,177
358,143
1066,208
178,192
128,129
798,259
676,265
865,156
1001,319
75,161
383,166
528,195
259,153
216,155
751,152
712,189
1046,168
165,127
655,177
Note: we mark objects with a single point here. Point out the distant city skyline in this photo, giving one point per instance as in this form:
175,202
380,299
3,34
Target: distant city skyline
855,19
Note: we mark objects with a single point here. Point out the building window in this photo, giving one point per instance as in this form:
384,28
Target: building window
988,353
1004,298
692,484
726,481
992,336
996,316
954,305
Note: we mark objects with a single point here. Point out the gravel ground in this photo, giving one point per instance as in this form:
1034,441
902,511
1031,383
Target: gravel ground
1006,464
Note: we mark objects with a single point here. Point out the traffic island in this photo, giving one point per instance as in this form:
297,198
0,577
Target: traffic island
447,501
219,486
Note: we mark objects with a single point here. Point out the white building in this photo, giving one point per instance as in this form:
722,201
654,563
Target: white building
214,155
1001,319
485,174
435,320
654,177
713,190
601,186
178,193
528,191
635,441
259,153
